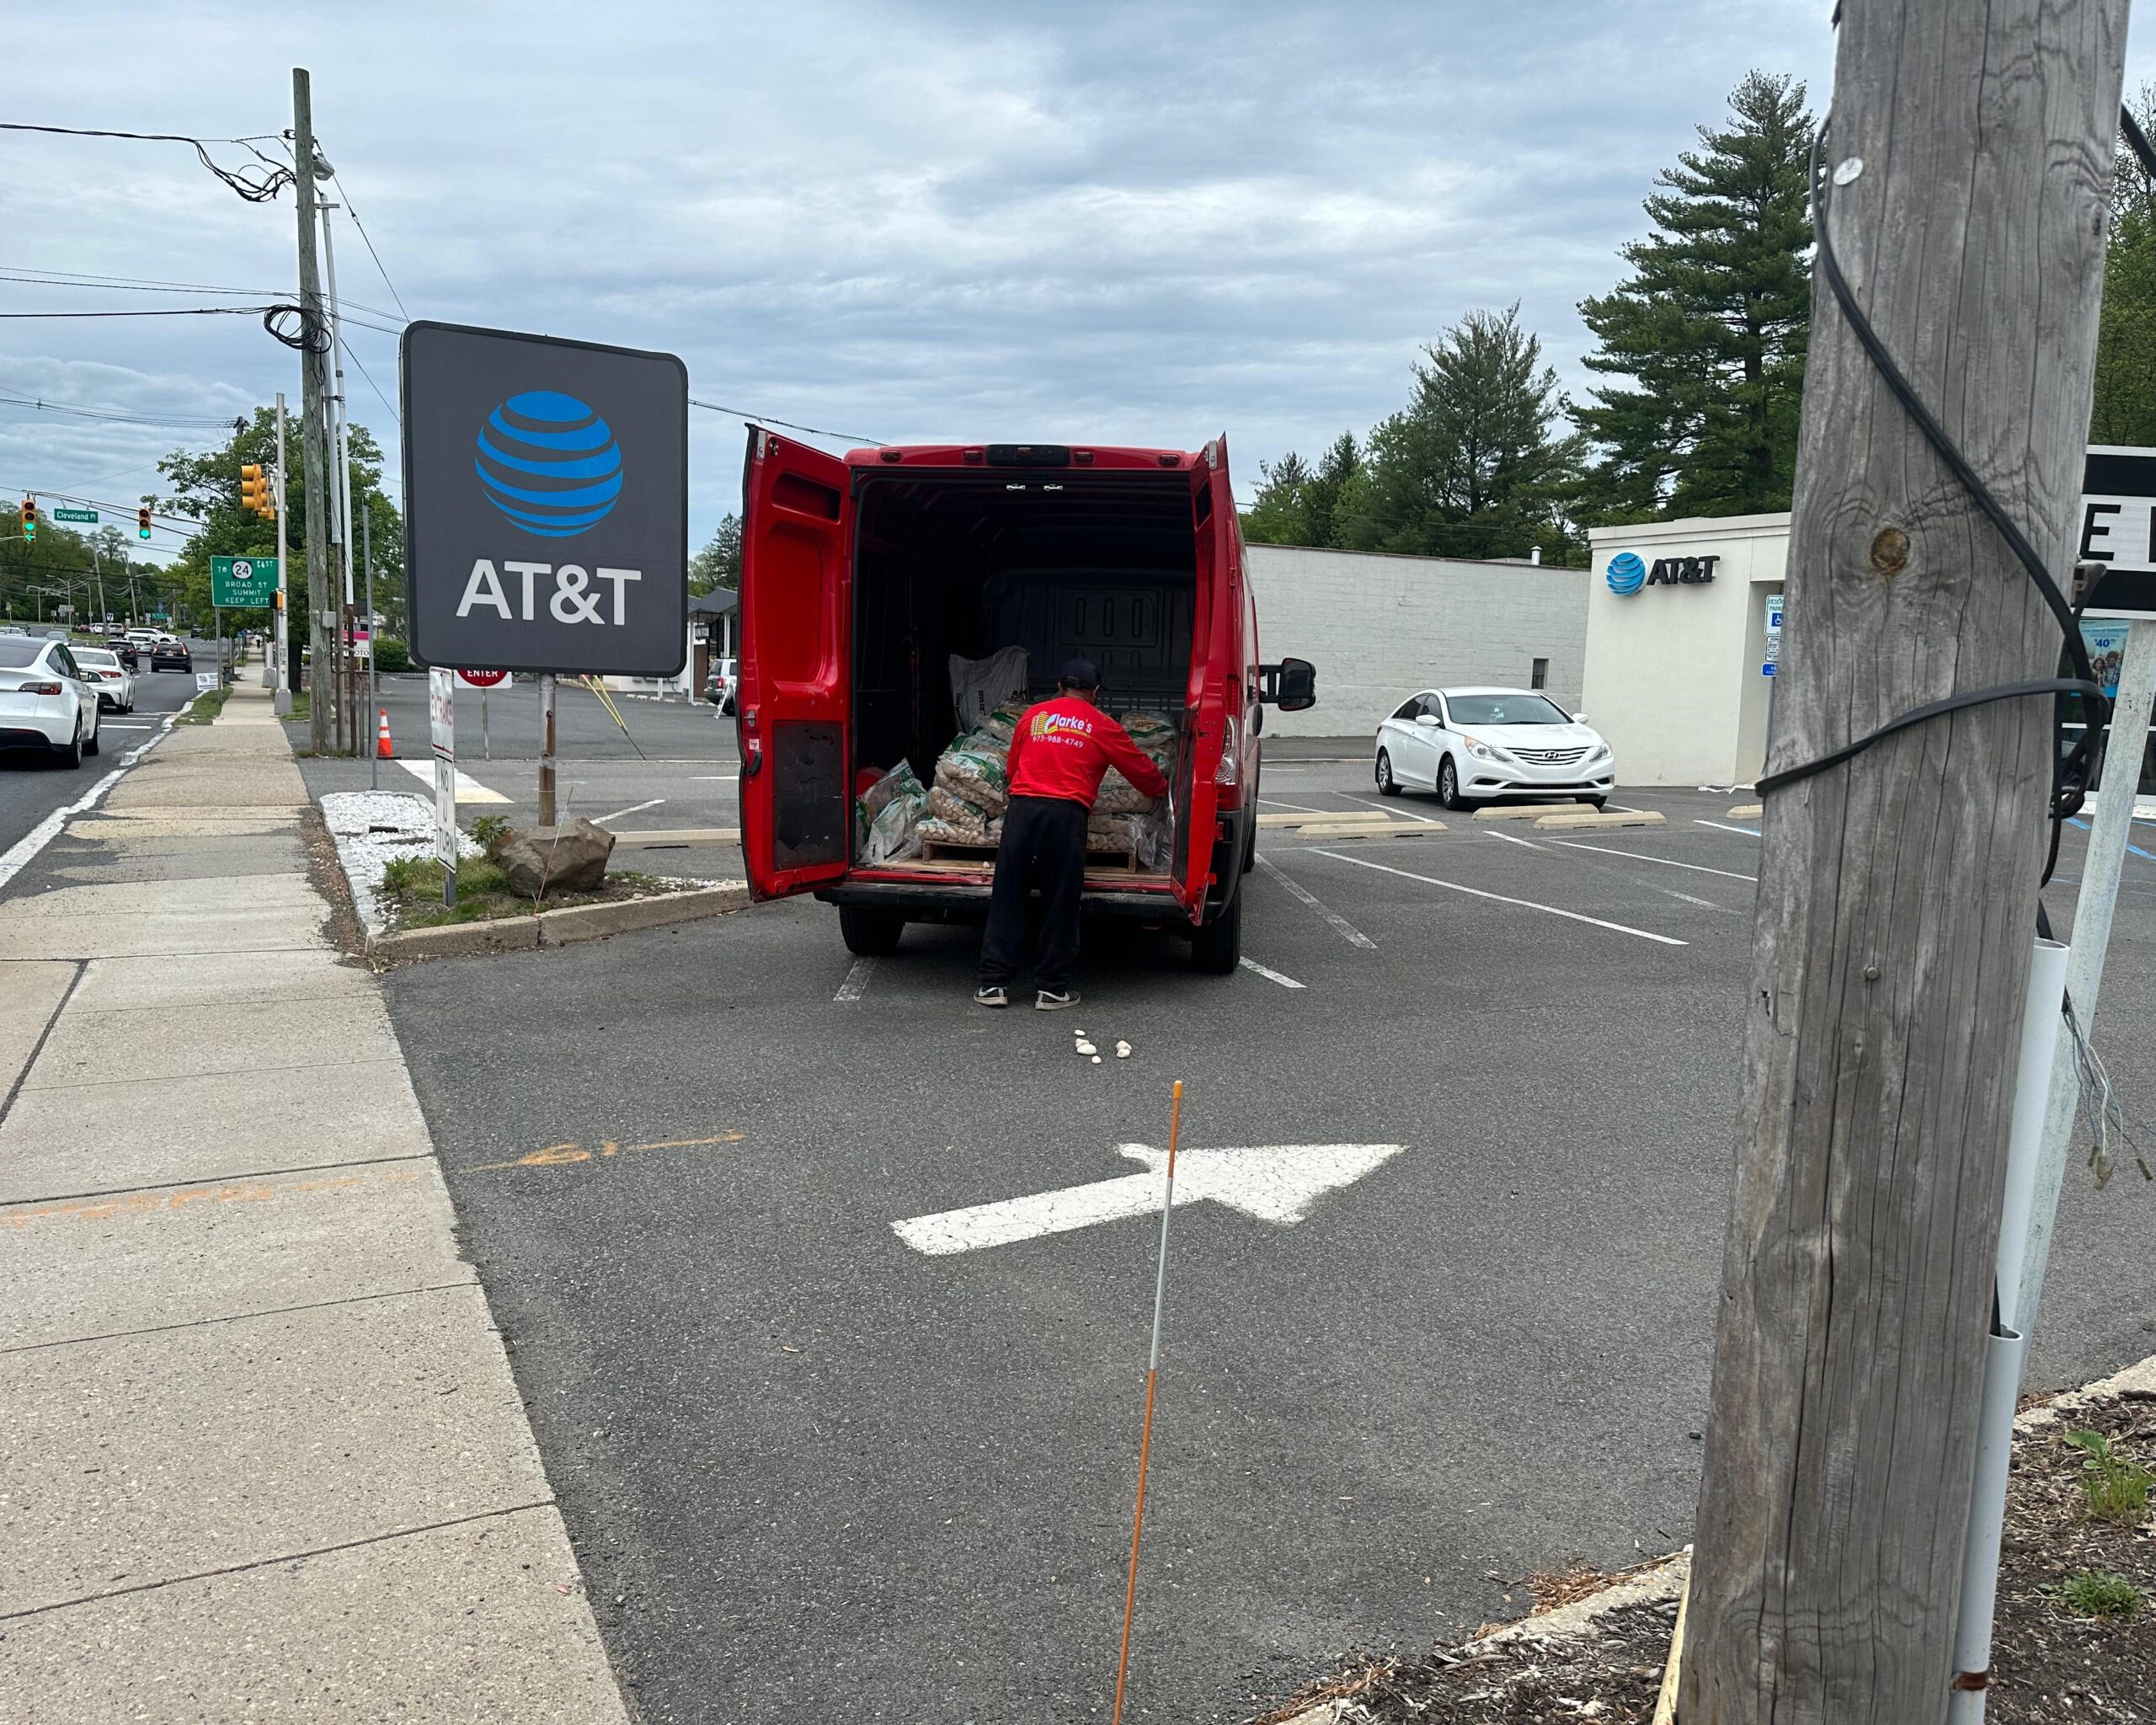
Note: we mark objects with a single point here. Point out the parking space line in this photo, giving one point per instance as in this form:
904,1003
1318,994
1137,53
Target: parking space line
1295,808
1340,925
1391,806
1750,832
1666,861
633,809
1271,975
857,980
468,788
1512,838
1476,892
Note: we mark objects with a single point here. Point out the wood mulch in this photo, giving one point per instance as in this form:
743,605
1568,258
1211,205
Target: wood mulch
2049,1664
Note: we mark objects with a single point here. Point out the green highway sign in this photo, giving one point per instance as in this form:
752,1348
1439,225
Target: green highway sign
242,581
75,515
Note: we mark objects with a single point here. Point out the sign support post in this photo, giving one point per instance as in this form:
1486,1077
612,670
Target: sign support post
441,732
545,748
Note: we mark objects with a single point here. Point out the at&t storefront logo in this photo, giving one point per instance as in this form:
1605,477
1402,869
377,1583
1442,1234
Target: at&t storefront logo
1627,573
549,464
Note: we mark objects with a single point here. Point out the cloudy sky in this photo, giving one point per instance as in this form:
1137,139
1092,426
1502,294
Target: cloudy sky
1137,223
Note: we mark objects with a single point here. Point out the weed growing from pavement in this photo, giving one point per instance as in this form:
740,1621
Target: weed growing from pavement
2116,1486
490,829
2099,1593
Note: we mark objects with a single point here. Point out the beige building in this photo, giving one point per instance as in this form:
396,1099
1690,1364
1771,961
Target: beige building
1677,641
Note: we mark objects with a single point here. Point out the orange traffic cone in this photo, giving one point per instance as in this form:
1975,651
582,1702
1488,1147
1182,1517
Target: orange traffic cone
381,748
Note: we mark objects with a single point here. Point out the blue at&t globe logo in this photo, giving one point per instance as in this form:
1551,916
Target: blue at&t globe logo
549,463
1626,573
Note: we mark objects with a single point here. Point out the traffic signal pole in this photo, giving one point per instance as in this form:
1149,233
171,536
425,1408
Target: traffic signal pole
281,703
341,500
313,461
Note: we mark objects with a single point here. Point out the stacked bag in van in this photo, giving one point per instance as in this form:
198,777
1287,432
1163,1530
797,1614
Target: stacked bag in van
972,783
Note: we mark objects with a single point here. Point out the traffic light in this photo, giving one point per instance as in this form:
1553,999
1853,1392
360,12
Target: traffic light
29,518
142,522
254,490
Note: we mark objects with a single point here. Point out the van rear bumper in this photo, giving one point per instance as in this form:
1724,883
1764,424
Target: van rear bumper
942,903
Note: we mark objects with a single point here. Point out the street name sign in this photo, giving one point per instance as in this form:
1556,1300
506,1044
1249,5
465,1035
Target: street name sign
1275,1183
547,500
2118,530
75,515
242,581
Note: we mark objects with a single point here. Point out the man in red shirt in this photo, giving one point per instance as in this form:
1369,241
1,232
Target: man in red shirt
1058,754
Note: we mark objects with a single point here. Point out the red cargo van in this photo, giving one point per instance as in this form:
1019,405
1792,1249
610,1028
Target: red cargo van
861,576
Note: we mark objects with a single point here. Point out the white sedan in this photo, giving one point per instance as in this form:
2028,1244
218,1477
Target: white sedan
1473,745
115,682
46,699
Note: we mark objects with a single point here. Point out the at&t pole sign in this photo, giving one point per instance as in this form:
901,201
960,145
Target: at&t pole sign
546,503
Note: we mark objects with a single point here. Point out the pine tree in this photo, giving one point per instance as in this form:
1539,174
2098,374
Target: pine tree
718,565
2124,411
1711,328
1471,466
1279,515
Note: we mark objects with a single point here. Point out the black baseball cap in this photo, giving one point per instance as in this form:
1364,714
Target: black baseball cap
1080,674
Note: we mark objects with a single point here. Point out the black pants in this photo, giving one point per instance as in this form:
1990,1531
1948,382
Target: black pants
1044,846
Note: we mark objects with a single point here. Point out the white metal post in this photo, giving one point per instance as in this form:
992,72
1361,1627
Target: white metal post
2097,897
341,485
282,702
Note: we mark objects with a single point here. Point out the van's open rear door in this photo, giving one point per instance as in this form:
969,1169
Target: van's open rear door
796,590
1215,666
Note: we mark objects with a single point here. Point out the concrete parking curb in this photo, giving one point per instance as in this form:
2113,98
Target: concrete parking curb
1628,817
1747,811
1536,812
1369,830
556,928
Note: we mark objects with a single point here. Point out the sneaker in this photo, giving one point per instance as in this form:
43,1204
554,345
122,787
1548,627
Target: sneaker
1049,1001
990,997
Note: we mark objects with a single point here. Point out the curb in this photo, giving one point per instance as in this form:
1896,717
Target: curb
1536,812
556,928
1747,811
1367,830
1644,817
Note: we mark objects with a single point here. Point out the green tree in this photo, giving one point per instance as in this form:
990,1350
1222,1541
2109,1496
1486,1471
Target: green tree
1710,330
1475,464
203,486
1279,514
718,565
2125,407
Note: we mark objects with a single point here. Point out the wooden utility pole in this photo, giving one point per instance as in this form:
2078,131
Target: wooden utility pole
1970,162
323,692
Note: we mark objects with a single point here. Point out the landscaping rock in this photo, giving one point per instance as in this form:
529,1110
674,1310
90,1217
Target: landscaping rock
556,859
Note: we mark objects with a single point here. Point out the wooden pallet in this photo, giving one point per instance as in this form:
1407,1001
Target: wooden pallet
1124,859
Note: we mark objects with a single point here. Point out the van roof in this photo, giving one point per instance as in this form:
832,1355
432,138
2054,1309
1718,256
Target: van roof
1020,455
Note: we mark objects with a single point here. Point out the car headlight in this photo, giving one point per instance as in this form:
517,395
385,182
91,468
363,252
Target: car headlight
1600,751
1484,752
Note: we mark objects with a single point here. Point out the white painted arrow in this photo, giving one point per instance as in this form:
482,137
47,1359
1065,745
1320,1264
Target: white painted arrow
1275,1183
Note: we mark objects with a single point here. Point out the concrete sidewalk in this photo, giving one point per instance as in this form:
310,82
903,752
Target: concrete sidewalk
260,1452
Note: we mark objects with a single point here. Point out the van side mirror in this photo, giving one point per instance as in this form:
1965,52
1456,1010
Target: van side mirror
1291,685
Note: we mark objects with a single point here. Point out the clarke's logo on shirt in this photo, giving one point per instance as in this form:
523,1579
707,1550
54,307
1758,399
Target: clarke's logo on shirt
549,464
1048,727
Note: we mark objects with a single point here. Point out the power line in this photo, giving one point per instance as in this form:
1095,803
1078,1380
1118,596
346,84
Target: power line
167,311
112,415
29,277
371,252
254,185
374,386
713,407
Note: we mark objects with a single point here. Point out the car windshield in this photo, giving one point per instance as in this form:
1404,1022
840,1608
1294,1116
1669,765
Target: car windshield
17,651
95,656
1505,709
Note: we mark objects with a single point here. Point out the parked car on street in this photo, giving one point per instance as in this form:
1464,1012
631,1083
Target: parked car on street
169,654
1475,745
47,701
720,683
115,682
123,649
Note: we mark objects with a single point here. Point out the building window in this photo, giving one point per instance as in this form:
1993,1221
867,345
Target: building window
1539,678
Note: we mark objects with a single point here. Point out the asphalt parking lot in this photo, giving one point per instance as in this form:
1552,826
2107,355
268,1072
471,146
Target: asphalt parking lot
811,1471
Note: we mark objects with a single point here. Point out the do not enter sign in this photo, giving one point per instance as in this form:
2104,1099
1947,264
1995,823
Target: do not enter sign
481,679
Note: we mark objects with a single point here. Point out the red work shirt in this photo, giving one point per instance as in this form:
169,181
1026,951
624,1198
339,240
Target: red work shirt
1063,747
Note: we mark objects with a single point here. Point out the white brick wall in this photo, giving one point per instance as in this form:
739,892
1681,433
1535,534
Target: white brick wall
1378,628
